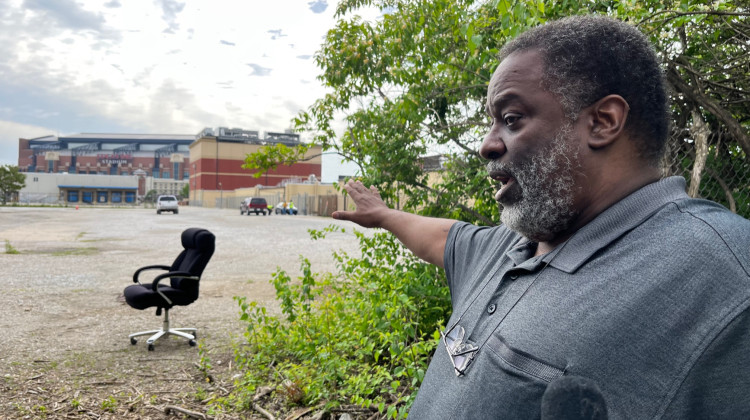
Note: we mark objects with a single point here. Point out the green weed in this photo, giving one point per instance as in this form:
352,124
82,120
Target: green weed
204,362
109,404
9,249
363,335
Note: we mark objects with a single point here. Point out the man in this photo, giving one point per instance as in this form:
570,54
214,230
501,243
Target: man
601,269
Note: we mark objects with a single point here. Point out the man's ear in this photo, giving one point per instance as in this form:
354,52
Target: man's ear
607,118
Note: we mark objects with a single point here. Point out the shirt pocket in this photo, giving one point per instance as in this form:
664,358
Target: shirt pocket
504,383
521,362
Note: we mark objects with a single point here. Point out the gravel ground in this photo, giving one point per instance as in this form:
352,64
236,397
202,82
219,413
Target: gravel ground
64,351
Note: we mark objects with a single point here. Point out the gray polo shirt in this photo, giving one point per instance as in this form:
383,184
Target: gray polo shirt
650,300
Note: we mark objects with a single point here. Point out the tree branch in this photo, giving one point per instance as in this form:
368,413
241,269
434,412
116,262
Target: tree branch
678,14
712,106
725,187
700,133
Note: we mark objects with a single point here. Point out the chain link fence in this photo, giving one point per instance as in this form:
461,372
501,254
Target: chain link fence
40,199
306,204
718,171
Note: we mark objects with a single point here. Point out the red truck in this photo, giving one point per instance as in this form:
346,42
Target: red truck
255,205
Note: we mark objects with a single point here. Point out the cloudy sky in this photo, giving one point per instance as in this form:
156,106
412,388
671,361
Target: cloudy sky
157,66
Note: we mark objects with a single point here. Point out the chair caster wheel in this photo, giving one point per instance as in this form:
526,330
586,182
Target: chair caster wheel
192,343
133,340
150,347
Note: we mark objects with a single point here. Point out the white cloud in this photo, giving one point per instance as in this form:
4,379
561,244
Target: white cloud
170,11
66,14
161,66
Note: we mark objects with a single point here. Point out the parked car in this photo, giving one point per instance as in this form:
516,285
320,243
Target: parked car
255,205
285,208
167,203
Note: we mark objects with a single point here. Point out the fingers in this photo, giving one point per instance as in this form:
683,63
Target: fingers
342,215
375,191
355,188
370,208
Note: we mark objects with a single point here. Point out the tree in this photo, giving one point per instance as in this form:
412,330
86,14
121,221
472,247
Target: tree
11,181
150,196
411,85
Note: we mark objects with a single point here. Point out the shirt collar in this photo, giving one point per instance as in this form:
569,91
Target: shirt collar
613,222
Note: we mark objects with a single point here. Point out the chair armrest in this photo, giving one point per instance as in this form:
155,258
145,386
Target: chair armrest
171,274
148,267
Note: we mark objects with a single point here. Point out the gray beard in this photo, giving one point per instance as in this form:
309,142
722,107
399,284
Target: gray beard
545,206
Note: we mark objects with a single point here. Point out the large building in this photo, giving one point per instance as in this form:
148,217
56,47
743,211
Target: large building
216,160
56,188
217,156
211,162
161,156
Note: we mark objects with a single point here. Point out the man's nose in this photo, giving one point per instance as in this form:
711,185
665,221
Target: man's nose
493,147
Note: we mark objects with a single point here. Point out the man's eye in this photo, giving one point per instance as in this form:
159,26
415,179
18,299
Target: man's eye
510,119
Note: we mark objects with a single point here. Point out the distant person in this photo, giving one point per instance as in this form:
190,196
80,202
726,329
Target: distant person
602,269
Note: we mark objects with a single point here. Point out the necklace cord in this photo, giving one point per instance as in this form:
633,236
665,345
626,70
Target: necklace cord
486,283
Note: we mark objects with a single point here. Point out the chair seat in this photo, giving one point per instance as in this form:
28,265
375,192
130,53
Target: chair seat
142,296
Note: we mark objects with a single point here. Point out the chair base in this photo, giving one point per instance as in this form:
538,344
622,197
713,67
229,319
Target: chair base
188,333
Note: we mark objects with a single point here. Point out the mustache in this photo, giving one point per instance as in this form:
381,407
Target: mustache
495,166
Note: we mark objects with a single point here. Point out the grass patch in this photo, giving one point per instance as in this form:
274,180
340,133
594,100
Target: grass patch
110,404
9,249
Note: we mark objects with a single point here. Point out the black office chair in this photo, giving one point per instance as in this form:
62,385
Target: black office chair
184,277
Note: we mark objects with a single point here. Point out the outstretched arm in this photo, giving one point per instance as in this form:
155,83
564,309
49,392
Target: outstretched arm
424,236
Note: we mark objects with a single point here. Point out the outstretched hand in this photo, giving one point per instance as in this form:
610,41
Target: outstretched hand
371,209
424,236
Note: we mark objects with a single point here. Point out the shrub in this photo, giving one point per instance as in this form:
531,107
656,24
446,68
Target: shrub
363,335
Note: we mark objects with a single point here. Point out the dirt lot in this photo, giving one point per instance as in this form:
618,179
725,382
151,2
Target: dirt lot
64,351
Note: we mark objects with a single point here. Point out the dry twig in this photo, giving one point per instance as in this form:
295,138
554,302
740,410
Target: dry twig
194,414
265,413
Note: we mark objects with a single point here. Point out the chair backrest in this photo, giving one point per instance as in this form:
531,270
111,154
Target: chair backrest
199,247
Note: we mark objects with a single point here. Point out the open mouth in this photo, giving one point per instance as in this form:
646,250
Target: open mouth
504,181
